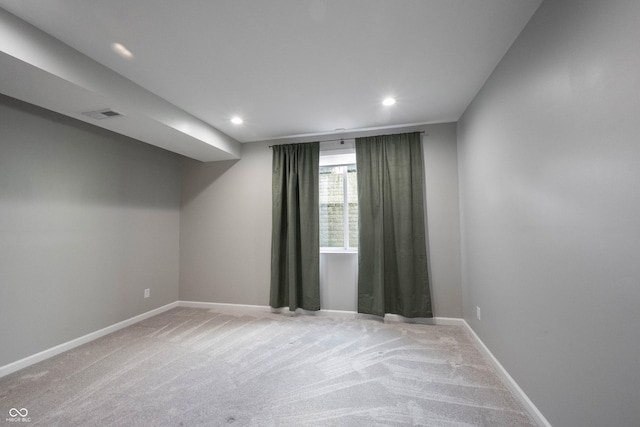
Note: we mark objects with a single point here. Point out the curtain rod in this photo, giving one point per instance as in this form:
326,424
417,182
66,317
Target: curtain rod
330,140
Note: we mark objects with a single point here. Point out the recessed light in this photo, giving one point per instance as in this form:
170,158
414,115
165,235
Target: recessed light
236,120
121,50
388,101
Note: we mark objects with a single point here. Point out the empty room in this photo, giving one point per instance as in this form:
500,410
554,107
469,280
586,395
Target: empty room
320,213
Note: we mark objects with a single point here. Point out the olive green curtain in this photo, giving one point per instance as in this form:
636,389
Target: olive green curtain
295,240
392,256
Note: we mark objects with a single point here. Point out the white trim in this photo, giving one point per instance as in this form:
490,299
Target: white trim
448,321
358,132
443,321
53,351
343,155
511,383
326,313
224,306
335,250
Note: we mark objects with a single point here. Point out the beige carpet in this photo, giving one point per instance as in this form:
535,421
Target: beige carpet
196,367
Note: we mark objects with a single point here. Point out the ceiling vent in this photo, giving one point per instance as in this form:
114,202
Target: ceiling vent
103,114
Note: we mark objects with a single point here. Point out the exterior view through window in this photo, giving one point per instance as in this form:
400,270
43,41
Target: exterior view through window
338,207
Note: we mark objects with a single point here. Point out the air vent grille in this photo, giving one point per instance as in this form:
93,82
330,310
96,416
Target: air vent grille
106,113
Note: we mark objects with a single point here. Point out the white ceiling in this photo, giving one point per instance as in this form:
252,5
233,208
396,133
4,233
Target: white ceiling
294,67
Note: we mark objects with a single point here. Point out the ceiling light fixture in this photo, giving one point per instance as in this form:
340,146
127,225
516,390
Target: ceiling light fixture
121,50
388,101
236,120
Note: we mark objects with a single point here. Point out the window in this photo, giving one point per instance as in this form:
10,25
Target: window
338,201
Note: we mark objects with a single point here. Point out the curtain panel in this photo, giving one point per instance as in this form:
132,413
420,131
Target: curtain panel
392,256
295,241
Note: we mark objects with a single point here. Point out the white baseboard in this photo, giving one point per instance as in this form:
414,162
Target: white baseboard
441,321
262,309
224,306
511,383
334,313
53,351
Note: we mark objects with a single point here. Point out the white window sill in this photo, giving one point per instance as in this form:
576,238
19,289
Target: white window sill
338,251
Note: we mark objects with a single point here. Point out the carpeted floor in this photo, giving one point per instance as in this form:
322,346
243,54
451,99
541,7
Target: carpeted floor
196,367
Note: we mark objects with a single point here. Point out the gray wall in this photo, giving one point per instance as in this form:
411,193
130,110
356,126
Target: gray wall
88,220
225,240
549,160
443,219
225,229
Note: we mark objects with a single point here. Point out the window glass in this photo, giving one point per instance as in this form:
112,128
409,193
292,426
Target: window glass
352,199
331,206
338,207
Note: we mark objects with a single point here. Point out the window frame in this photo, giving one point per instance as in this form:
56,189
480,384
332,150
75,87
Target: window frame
345,202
